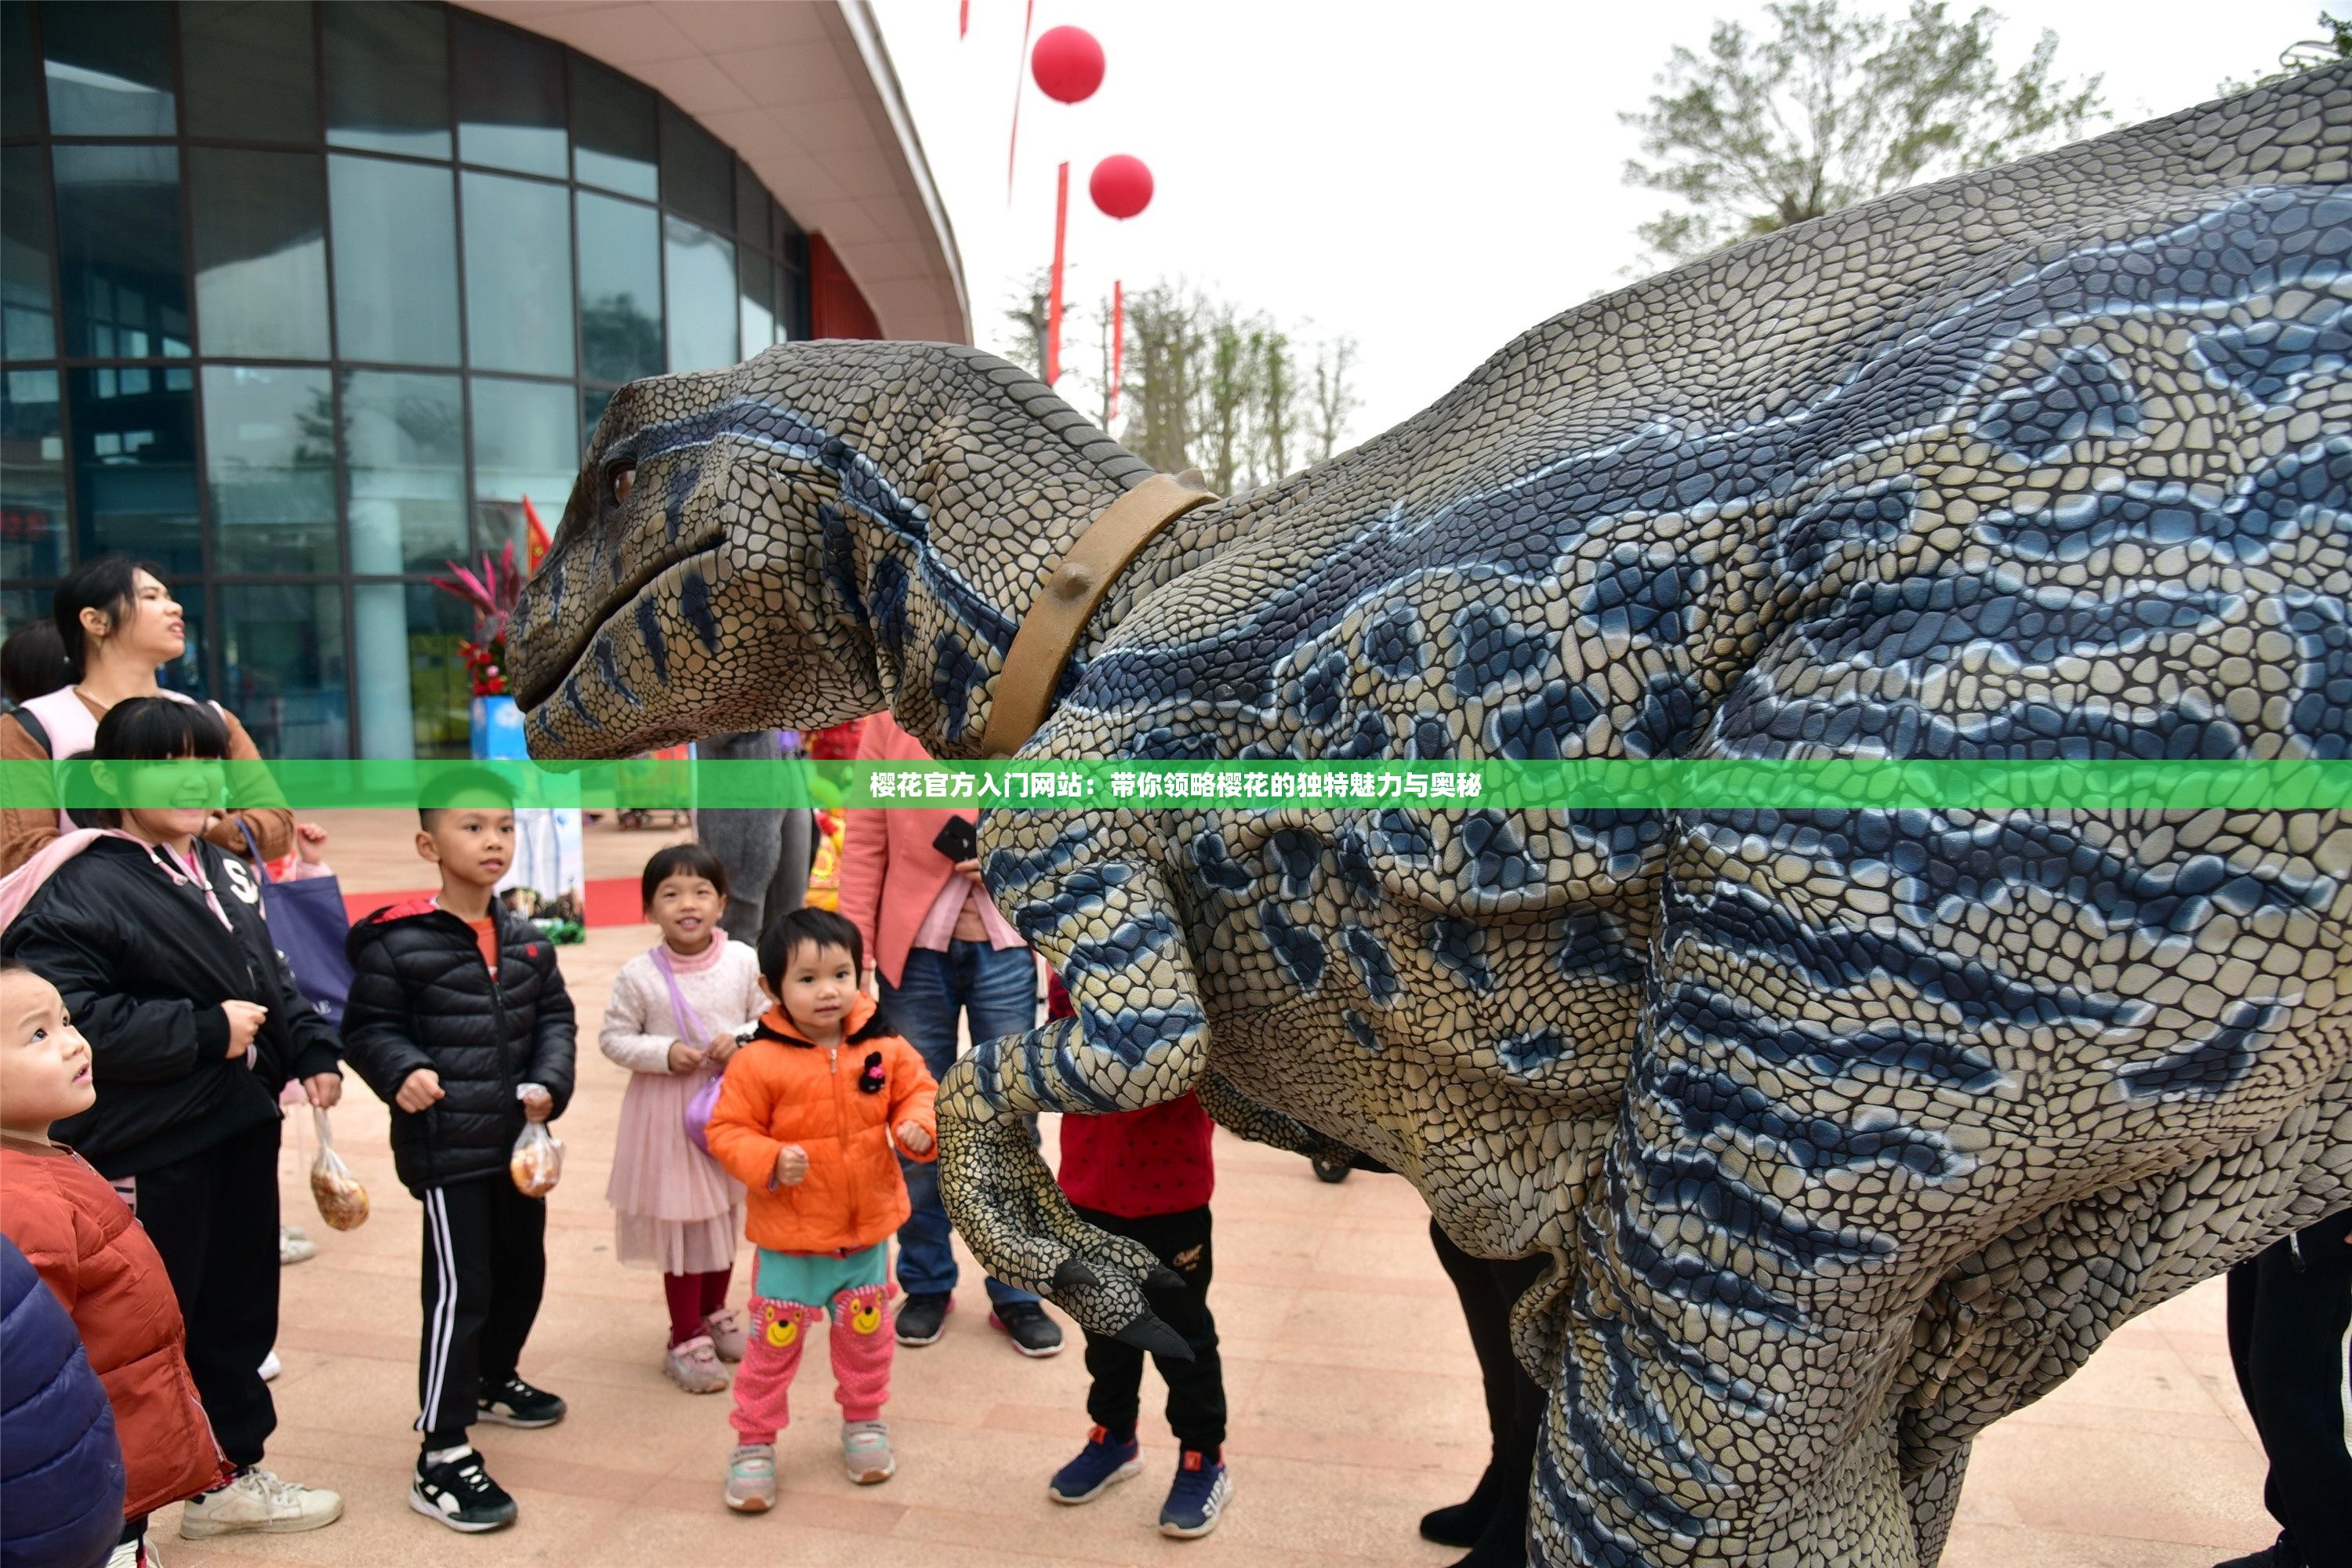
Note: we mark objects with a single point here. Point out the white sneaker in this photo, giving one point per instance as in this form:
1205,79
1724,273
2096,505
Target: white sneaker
271,1368
294,1247
126,1555
257,1500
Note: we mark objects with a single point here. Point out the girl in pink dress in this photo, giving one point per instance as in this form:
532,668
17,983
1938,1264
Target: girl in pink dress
672,1022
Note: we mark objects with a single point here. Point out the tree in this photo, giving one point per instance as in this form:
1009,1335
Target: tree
1229,394
1278,407
1028,319
1831,109
2333,43
1335,394
1166,337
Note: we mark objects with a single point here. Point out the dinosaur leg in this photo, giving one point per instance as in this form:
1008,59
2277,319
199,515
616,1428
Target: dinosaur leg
1140,1038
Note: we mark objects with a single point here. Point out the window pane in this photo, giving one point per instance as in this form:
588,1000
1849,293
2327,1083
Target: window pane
32,477
592,409
20,72
509,89
118,250
700,297
262,252
525,444
517,275
395,261
620,289
751,206
269,456
759,299
109,69
403,472
388,79
134,456
698,172
251,68
27,328
414,698
793,306
611,132
283,668
21,606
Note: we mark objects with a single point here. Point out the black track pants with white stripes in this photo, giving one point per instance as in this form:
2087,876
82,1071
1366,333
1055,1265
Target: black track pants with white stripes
2290,1326
485,1270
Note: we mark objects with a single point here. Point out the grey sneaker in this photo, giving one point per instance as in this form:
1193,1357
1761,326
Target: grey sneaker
865,1452
258,1501
751,1478
694,1366
726,1331
293,1247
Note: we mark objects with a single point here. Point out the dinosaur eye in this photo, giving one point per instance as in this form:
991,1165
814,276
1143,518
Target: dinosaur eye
623,479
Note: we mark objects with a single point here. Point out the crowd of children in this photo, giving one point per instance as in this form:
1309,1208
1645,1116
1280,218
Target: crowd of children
147,1026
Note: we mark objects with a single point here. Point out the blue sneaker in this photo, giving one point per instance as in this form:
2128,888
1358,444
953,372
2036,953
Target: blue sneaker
1203,1488
1099,1464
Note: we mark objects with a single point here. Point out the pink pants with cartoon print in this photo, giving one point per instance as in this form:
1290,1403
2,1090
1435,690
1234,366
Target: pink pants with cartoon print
862,1345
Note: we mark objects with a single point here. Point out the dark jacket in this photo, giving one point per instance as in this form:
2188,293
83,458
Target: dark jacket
144,966
422,998
59,1462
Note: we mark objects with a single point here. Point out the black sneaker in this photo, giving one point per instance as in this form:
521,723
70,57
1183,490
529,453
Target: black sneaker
923,1319
1033,1333
2278,1554
459,1493
514,1403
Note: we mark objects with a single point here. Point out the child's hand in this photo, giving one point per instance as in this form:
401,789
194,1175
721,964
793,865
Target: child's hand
310,842
912,1138
723,1046
683,1057
419,1090
244,1020
792,1165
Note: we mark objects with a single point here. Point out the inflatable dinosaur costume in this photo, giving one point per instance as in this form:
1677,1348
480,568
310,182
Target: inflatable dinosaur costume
1848,1132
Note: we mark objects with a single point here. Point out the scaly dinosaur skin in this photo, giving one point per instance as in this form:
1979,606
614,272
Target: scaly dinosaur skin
1848,1133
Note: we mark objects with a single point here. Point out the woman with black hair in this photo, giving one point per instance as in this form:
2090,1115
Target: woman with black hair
154,937
32,662
117,623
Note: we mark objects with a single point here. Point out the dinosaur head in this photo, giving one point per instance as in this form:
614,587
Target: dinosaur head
828,530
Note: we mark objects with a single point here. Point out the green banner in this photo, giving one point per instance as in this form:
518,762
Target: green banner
1606,784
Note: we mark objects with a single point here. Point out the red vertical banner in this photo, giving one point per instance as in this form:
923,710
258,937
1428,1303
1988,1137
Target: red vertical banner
1053,301
1118,344
963,18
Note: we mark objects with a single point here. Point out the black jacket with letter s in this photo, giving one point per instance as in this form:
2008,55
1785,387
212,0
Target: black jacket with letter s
143,965
422,998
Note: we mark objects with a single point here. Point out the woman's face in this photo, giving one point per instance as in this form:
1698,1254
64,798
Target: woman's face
152,630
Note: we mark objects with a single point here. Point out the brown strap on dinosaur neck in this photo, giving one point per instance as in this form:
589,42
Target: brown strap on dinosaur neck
1072,591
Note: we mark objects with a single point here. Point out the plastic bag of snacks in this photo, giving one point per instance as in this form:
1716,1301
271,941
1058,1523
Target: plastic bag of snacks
342,1202
537,1163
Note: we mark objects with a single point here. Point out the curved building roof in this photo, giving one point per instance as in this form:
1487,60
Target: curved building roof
805,92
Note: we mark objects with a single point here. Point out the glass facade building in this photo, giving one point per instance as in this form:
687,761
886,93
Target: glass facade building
302,299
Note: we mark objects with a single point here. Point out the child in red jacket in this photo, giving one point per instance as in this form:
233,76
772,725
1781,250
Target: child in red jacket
1147,1175
73,1229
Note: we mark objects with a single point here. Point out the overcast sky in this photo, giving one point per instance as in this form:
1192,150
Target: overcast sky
1429,178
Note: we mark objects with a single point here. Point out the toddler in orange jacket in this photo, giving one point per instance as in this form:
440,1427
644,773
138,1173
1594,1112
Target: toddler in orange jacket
811,1117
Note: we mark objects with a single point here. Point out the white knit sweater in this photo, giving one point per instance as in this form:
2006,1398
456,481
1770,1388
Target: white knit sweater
639,1022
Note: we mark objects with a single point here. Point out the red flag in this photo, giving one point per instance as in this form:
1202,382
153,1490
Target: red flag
1118,344
963,18
1054,301
538,539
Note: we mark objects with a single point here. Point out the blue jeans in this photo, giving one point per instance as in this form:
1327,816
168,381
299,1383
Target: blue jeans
998,991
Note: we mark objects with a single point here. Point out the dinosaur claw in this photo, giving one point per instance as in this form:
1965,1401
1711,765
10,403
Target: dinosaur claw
1075,1275
1147,1332
1160,1276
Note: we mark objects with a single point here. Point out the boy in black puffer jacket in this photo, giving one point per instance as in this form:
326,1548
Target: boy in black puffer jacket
458,1016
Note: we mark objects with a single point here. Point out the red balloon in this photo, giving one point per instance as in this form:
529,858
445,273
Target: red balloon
1067,64
1120,186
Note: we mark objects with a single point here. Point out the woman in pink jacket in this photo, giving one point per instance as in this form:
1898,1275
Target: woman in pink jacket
943,953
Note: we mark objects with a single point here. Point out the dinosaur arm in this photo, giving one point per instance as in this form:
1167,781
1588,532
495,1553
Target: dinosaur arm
1245,1118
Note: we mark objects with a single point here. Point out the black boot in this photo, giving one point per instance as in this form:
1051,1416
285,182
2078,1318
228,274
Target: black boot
1461,1523
1504,1542
2278,1554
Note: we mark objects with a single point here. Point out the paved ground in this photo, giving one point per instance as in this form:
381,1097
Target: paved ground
1354,1393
